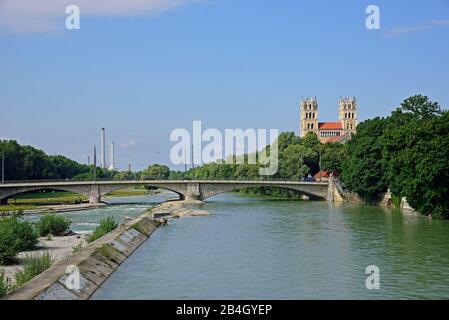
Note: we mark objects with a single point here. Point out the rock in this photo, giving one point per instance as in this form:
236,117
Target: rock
178,209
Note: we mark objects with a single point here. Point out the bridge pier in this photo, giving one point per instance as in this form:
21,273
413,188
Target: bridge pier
95,196
4,201
193,192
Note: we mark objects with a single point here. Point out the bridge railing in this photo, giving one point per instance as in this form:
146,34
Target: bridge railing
160,179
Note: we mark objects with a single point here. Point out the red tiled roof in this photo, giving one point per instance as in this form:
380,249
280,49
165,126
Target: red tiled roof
330,126
325,174
322,174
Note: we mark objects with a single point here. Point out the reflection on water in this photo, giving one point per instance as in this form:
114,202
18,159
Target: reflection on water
252,248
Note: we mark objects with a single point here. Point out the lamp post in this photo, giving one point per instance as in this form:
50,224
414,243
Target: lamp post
95,163
3,166
319,163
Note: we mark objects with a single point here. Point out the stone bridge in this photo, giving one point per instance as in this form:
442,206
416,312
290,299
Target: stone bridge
186,189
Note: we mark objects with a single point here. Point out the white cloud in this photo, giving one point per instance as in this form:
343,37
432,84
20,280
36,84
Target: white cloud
398,31
48,15
441,22
128,144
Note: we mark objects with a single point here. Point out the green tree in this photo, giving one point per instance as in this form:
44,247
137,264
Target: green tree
292,164
363,168
332,157
416,148
155,172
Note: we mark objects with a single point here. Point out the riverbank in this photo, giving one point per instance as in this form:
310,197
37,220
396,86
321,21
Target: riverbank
52,209
96,260
41,203
59,248
94,263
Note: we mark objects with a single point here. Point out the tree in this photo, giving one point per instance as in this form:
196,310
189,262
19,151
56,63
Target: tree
416,148
292,164
363,168
419,107
332,157
155,172
28,163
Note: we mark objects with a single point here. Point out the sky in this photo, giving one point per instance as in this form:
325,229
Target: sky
142,68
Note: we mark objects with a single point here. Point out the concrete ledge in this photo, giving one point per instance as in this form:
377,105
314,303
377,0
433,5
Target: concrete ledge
96,263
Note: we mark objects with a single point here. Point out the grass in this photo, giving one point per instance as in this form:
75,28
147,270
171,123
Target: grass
29,201
45,198
34,265
5,285
107,251
13,208
77,248
129,192
106,225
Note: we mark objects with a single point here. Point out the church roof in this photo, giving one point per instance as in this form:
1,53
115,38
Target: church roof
330,126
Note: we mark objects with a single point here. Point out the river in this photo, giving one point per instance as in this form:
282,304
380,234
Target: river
257,248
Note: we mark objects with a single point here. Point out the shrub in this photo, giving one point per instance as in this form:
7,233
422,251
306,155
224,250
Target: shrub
26,234
5,285
52,224
34,265
15,236
106,225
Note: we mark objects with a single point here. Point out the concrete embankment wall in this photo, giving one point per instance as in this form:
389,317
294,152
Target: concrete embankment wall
387,201
96,262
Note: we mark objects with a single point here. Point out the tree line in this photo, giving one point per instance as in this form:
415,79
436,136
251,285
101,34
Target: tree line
406,152
28,163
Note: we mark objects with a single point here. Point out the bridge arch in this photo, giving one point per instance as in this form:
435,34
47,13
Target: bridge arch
213,190
108,189
9,193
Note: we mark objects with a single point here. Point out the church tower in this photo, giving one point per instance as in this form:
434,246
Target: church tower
348,114
309,116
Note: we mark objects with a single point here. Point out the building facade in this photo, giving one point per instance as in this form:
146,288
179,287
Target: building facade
338,131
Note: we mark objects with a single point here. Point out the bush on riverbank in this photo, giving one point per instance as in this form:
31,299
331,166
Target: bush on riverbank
15,236
106,225
34,265
5,285
55,225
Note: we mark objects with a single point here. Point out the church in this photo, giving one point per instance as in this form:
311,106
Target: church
338,131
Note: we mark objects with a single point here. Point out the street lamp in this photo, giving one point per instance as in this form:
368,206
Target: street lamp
95,163
319,163
3,166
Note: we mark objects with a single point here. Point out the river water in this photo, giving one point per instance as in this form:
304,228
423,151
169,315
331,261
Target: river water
256,248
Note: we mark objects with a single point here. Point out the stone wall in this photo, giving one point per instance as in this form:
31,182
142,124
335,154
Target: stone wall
95,263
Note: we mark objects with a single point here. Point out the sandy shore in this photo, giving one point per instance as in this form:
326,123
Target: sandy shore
58,247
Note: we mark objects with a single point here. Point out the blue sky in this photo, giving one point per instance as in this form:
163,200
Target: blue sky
154,66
